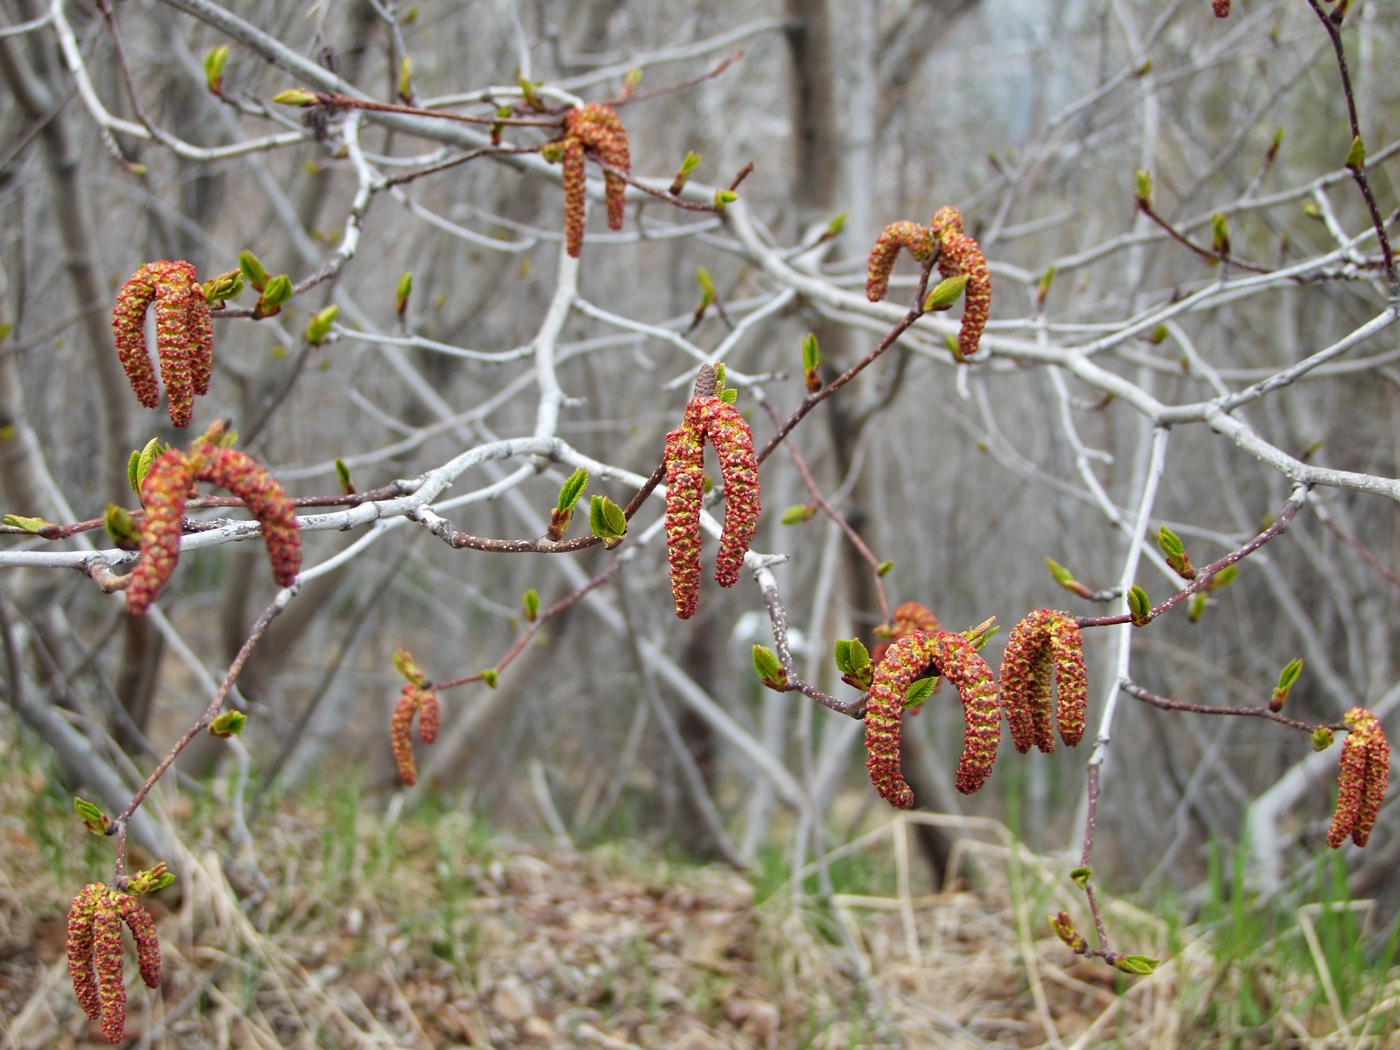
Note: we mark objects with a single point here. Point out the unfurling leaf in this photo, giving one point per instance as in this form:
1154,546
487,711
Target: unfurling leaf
884,568
295,97
1356,156
1322,738
214,64
729,396
1175,553
843,655
811,359
572,489
224,287
97,822
859,656
945,293
1139,606
253,270
723,198
491,676
1144,188
607,520
1066,579
1219,234
406,79
401,293
531,604
342,474
683,173
227,724
707,286
1081,876
1286,678
140,462
121,526
769,668
1137,965
18,521
320,326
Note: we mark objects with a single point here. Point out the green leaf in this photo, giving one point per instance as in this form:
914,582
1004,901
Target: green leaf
277,291
227,724
401,293
860,656
707,283
834,227
811,352
843,655
131,464
945,293
572,489
320,326
1042,287
27,524
719,376
1062,575
342,474
91,816
798,513
918,692
214,64
884,568
690,163
122,527
531,604
1356,156
606,519
1139,605
406,78
253,269
769,669
1170,543
1137,965
491,676
223,287
724,198
1290,673
729,396
1224,577
1081,876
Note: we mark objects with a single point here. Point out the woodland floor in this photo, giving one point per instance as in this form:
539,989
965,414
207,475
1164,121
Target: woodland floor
353,929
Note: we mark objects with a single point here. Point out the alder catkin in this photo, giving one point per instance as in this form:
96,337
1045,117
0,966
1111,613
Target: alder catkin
81,919
600,129
163,493
903,234
732,439
1361,779
574,195
265,499
685,470
959,254
400,726
184,336
143,932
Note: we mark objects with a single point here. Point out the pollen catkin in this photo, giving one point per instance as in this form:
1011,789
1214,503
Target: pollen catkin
1046,641
1221,8
163,493
184,336
429,713
732,439
960,254
600,129
143,931
107,960
1361,780
400,726
265,499
903,234
911,616
685,470
574,194
906,660
81,918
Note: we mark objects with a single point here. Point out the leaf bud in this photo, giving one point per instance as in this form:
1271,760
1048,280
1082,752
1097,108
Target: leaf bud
945,293
214,64
227,724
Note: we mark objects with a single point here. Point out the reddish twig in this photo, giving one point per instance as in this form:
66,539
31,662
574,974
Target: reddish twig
1137,692
1203,576
1205,253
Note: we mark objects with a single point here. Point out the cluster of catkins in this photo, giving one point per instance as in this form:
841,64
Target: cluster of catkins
1361,783
184,336
1045,642
167,486
707,417
95,953
416,698
596,130
958,255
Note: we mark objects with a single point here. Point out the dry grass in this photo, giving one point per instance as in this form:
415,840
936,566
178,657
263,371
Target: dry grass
359,930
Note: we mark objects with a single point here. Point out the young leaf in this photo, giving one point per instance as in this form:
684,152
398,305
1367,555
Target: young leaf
1139,606
918,692
1170,543
1356,156
27,524
295,97
1144,188
1224,577
143,460
223,287
843,655
277,291
707,285
607,520
1196,607
531,604
811,359
122,527
1081,876
860,656
729,396
1322,738
1286,678
227,724
491,676
884,568
214,64
572,489
320,326
683,173
1137,965
253,269
401,293
92,816
1219,234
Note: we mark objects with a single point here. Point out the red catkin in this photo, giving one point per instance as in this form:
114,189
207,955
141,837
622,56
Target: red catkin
1045,646
81,918
959,254
163,493
574,194
143,931
265,499
1361,780
685,479
732,439
184,336
906,660
600,129
400,726
903,234
1221,8
107,960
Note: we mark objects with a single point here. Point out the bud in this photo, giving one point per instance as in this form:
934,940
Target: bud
945,293
1356,155
683,173
1322,738
724,198
223,287
406,80
607,520
1175,553
93,818
342,474
401,293
320,326
122,528
276,292
811,360
296,97
1286,678
1144,189
1219,234
253,269
227,724
799,513
531,605
214,64
770,670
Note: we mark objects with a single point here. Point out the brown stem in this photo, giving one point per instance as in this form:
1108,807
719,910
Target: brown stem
1203,576
642,96
1334,33
777,615
1210,256
1139,693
